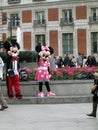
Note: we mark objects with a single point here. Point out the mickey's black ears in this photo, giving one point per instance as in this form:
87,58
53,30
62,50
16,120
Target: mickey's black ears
7,45
15,43
12,43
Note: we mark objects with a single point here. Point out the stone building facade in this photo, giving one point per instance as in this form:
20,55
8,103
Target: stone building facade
69,26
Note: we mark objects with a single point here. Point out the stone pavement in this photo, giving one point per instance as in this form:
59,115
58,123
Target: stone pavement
48,117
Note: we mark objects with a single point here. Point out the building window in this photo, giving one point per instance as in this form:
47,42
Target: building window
94,15
39,18
38,0
66,17
94,41
14,20
40,39
13,1
94,12
67,40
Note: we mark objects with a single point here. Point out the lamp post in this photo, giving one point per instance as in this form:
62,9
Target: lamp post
10,28
14,21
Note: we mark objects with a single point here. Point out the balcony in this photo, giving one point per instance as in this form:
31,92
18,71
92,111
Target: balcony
66,21
13,1
38,0
40,23
93,20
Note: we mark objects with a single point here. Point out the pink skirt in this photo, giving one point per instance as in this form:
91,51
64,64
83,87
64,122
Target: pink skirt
42,75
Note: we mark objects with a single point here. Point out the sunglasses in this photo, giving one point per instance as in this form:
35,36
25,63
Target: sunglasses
14,51
45,56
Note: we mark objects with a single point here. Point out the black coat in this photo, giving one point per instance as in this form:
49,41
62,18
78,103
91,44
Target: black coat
95,92
9,64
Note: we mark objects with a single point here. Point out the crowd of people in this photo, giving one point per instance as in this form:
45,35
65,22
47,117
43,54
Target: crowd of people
79,61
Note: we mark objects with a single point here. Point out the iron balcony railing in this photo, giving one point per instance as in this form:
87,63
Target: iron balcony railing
93,20
40,22
38,0
66,21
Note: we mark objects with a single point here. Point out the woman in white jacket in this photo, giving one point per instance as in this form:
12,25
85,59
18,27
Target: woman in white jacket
2,100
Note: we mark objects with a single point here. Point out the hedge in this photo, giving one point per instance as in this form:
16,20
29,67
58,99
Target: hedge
27,56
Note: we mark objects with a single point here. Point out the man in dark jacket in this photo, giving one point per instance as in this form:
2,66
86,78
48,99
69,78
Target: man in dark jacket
94,91
2,99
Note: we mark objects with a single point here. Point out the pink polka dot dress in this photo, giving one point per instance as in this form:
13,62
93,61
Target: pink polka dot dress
42,73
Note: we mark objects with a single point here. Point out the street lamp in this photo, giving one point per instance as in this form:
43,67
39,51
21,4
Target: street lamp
13,21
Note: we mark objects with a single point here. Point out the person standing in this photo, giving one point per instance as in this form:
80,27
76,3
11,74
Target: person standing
94,91
84,61
43,70
66,61
52,63
12,69
2,100
79,60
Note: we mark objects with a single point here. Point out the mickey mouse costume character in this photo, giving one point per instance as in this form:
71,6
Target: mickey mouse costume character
43,73
12,67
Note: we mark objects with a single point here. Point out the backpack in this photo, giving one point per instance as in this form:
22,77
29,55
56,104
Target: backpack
23,74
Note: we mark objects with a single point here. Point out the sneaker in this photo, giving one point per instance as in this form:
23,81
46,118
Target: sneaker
50,94
10,96
40,94
19,96
3,108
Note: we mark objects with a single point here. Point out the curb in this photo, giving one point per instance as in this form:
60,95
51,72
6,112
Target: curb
47,100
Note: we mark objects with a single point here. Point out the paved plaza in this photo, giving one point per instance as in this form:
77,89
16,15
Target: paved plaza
48,117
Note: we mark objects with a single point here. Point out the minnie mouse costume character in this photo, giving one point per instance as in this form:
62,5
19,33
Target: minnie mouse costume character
42,73
12,67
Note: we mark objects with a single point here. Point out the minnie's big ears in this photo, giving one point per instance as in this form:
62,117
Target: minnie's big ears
51,50
38,48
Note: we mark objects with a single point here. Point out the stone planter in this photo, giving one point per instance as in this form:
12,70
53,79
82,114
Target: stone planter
67,91
60,87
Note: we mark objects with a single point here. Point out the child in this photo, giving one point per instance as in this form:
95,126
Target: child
42,74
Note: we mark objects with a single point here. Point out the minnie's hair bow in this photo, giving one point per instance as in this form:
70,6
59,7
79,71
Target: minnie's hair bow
45,48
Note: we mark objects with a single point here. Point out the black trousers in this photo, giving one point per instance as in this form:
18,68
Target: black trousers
95,98
41,86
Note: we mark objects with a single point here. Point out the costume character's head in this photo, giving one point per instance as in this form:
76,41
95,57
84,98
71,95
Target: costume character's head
44,52
11,47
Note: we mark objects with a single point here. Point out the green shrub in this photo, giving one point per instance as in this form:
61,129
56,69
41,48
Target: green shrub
31,76
27,56
3,56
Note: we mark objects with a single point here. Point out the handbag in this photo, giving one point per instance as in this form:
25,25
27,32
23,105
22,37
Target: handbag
11,73
93,89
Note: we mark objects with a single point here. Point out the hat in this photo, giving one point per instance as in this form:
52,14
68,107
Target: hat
95,74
